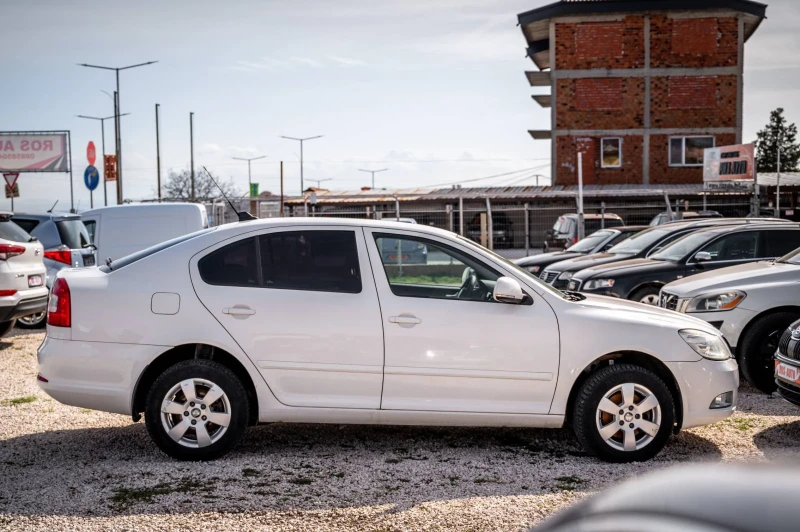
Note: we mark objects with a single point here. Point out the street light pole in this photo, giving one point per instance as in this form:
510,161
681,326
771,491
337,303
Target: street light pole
320,181
302,185
103,143
191,149
158,157
373,172
118,142
249,175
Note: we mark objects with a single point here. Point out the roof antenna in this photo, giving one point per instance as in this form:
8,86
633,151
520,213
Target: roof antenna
243,216
53,207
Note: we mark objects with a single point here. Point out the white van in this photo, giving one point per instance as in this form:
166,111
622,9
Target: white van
120,230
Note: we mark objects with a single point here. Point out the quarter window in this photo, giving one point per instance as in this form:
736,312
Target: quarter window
234,265
688,151
611,152
738,246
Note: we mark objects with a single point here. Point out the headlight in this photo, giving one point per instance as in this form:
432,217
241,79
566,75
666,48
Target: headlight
534,269
566,276
594,284
710,303
706,345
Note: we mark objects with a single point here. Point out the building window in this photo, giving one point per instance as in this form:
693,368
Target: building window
688,151
611,151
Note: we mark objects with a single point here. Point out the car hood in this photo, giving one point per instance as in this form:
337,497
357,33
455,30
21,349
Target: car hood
588,261
627,267
623,311
546,258
742,276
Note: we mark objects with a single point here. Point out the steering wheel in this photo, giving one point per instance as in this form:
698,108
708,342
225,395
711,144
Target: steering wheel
471,286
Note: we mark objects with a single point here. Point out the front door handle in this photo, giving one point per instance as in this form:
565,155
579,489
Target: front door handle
405,320
239,312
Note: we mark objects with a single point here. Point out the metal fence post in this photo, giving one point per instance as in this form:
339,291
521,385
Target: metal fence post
461,216
397,207
527,230
489,228
602,215
449,210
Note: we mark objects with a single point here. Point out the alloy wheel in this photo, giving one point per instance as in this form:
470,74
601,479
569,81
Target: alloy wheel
195,413
650,299
34,319
628,417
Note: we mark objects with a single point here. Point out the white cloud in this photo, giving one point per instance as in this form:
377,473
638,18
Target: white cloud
305,61
347,61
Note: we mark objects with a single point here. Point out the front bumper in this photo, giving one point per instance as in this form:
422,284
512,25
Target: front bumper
787,389
700,382
34,302
730,323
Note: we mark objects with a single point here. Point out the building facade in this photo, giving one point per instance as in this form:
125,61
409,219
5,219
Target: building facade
639,87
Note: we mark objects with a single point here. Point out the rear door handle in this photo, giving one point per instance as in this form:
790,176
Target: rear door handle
239,312
405,320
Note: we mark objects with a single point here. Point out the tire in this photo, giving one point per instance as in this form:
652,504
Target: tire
757,348
5,327
588,420
647,295
34,321
217,439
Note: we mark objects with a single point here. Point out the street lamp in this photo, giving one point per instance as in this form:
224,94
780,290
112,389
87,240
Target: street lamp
249,175
320,181
373,172
302,188
103,142
117,122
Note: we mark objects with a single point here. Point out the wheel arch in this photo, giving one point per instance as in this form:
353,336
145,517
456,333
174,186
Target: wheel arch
183,352
636,358
746,329
646,284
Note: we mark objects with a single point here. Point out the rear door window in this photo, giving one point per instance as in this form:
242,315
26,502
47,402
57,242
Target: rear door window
27,225
73,233
11,231
738,246
781,242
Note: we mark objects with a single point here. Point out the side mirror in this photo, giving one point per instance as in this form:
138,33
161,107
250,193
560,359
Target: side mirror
508,290
702,256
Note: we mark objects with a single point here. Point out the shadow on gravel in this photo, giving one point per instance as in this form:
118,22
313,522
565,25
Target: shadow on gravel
780,442
108,471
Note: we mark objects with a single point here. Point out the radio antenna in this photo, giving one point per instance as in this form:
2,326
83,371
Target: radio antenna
243,216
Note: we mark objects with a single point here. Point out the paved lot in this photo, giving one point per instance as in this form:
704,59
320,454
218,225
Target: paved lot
68,468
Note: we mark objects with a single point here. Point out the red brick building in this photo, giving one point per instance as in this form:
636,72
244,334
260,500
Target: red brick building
640,87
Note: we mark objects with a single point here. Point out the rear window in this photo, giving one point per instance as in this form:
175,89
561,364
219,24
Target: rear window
594,225
139,255
11,231
73,233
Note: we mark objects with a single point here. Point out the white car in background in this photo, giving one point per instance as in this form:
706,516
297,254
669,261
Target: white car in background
751,304
305,320
22,274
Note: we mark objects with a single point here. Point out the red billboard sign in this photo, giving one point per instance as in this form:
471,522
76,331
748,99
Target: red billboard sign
31,152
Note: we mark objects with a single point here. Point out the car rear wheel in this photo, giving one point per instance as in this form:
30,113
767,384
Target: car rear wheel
623,413
5,327
757,349
647,295
196,410
34,321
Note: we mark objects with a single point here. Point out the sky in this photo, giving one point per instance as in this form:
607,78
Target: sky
432,90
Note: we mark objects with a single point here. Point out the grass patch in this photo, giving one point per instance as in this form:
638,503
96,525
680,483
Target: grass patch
393,460
125,497
18,400
302,481
569,483
486,481
249,472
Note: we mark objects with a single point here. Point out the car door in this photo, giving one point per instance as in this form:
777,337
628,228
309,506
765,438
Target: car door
302,304
739,247
448,345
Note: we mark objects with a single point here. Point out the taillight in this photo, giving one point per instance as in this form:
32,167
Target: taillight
10,250
59,309
574,241
64,256
6,293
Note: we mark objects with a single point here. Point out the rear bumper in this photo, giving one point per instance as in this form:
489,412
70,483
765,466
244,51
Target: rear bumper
700,382
33,303
95,375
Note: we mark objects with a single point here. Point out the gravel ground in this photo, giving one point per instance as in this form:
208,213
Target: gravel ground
71,468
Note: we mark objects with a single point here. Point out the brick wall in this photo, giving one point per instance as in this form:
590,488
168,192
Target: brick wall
704,42
593,172
600,103
662,173
600,44
692,102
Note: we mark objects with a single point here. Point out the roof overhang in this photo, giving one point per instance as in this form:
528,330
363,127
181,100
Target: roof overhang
535,24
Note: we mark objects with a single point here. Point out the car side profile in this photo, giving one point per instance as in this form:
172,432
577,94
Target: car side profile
306,320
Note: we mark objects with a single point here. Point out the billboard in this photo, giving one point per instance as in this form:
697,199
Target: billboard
33,152
729,163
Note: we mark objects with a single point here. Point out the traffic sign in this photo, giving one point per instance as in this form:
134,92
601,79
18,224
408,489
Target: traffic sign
91,153
91,177
12,192
11,178
110,168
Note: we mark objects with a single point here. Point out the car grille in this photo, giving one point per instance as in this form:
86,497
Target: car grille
548,276
788,346
669,301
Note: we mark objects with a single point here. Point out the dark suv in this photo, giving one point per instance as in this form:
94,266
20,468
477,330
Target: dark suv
502,230
701,251
565,231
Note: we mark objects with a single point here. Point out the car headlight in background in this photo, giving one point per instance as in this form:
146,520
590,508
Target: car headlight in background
566,276
714,302
534,269
705,344
594,284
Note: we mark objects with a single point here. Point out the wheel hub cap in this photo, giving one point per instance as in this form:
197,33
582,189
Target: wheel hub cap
628,417
195,413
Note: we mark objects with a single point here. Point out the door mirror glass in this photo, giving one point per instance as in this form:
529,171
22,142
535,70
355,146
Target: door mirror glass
508,290
703,256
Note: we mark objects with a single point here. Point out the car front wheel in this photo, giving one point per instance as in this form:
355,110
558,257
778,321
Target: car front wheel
647,295
623,413
757,348
196,410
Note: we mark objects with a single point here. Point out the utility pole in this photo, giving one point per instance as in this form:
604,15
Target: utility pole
103,143
117,124
302,185
191,149
282,189
373,172
778,192
158,157
249,175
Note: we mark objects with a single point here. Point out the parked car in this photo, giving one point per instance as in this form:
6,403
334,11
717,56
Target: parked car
751,305
667,217
787,364
639,245
701,251
120,230
565,231
595,243
210,332
502,230
22,274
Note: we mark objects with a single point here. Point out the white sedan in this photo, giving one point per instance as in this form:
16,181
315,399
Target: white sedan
309,320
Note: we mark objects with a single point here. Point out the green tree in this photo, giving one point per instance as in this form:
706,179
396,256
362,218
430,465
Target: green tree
778,133
178,186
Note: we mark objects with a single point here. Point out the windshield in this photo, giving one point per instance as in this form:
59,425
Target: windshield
590,242
684,246
73,233
791,258
640,241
